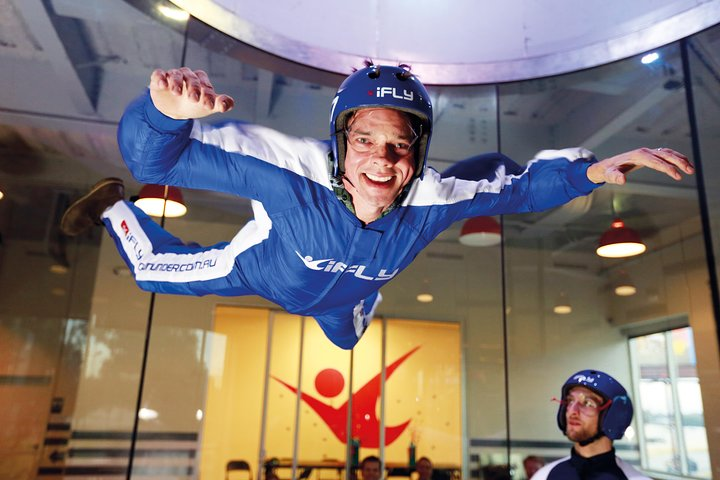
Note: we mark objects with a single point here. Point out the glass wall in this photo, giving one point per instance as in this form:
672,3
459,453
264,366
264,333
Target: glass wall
551,257
99,379
704,73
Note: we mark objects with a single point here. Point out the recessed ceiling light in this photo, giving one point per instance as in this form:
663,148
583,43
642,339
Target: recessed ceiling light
425,298
562,309
58,269
625,290
650,58
174,13
147,414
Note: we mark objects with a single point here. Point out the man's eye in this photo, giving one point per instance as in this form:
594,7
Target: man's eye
363,140
402,146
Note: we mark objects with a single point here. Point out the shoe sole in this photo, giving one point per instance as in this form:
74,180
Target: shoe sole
69,218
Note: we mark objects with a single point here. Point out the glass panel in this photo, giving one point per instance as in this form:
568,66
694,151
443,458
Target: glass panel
323,413
236,347
689,405
551,257
465,283
73,326
422,394
656,403
704,58
366,388
693,428
283,389
673,438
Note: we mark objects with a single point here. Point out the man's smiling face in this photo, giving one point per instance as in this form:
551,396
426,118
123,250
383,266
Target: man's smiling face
379,159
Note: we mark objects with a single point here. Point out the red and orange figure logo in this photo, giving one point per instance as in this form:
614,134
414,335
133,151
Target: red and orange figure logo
365,423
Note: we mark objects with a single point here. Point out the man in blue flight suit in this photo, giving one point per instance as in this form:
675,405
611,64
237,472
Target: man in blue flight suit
333,220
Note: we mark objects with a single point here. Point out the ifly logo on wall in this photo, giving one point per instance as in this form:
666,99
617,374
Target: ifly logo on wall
366,425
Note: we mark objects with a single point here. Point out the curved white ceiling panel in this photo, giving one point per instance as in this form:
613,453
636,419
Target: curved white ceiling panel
457,41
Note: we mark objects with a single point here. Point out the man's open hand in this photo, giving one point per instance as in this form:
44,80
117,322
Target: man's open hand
614,169
182,93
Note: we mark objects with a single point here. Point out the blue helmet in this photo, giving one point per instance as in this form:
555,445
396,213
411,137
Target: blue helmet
613,420
381,86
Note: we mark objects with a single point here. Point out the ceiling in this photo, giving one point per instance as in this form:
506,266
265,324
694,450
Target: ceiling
457,42
70,67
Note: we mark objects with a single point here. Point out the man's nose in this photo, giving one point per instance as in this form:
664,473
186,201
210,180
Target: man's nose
573,406
386,152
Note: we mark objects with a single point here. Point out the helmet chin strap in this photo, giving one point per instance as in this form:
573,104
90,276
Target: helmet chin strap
346,179
588,441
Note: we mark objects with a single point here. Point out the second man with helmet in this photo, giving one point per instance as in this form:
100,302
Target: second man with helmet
594,410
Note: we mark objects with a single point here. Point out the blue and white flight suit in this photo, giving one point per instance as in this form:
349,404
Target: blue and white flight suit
304,250
605,466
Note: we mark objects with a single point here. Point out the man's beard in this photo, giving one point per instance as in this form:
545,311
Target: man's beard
582,434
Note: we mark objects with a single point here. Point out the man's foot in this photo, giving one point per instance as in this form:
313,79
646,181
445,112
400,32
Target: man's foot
86,211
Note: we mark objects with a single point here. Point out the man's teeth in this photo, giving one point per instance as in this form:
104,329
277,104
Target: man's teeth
376,178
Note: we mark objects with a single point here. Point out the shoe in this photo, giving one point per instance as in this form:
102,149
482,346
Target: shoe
85,212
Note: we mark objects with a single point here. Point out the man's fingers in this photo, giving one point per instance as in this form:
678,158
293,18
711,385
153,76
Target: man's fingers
224,103
676,158
191,83
158,80
192,95
211,100
204,80
175,79
615,175
662,161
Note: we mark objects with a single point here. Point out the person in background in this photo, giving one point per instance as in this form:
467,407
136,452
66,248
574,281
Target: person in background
595,409
531,464
424,468
426,471
370,468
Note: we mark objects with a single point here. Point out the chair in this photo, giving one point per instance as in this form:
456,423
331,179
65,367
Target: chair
332,471
238,465
496,472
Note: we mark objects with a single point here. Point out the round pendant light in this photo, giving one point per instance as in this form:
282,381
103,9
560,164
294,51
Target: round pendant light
620,241
152,200
480,232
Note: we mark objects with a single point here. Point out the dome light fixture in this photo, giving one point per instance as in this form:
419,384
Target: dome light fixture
624,286
425,297
161,200
480,232
562,308
620,241
625,290
562,305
